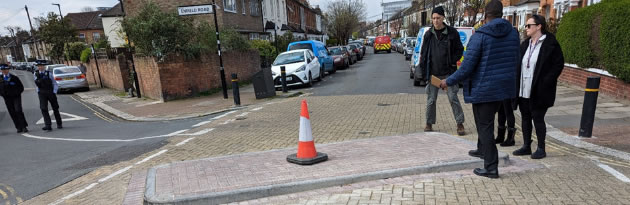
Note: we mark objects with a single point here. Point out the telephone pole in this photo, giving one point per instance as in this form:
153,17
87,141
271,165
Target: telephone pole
32,33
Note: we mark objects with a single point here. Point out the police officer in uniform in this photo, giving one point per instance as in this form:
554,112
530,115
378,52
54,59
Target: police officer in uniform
11,89
47,92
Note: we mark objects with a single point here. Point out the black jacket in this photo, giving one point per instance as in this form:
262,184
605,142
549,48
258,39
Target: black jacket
12,88
454,53
548,68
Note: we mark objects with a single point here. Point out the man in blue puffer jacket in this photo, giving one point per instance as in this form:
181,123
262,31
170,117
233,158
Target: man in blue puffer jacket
489,75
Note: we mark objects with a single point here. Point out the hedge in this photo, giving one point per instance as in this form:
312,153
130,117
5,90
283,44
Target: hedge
598,36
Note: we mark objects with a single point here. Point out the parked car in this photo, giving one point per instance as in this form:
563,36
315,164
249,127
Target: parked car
321,52
70,78
404,43
408,51
382,43
340,57
352,58
420,78
356,51
300,67
51,67
362,46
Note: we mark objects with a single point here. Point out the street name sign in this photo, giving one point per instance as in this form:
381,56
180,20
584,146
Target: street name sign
194,10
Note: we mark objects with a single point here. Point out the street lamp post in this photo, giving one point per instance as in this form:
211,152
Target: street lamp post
62,24
222,71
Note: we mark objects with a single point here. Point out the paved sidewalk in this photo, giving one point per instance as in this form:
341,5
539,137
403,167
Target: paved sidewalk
261,174
569,175
144,109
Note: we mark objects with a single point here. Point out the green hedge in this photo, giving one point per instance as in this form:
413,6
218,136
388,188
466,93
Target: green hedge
86,54
598,36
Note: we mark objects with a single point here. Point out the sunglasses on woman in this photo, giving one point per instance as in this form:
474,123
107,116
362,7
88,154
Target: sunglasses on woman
530,25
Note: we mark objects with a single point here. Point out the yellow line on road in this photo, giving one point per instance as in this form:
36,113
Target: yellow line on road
4,194
98,114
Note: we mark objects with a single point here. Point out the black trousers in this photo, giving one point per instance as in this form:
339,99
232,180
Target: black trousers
484,120
14,106
537,115
506,114
44,99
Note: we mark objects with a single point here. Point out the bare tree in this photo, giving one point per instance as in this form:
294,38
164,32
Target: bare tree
474,7
344,17
87,9
453,11
414,27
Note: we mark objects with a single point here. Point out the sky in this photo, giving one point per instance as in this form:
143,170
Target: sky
12,12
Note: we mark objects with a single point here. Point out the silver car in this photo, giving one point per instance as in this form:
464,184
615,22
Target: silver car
70,77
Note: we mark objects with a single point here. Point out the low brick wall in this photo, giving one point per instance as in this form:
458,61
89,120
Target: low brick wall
113,72
177,77
609,86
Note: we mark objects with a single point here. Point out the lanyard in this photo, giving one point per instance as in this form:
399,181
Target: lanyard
531,51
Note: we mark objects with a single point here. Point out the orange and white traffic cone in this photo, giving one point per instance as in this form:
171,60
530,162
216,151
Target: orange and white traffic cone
306,153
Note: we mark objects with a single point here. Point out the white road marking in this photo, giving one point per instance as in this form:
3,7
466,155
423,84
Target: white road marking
225,114
149,157
184,142
243,114
615,173
72,118
114,174
102,140
74,194
202,123
257,109
204,131
228,121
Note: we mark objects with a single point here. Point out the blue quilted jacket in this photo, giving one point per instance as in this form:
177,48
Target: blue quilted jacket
488,71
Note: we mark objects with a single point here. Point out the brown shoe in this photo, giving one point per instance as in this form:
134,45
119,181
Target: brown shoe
428,128
460,130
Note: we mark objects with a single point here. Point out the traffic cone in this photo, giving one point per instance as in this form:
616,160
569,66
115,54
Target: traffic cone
306,153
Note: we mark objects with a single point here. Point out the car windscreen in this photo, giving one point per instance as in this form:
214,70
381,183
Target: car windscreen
301,46
289,58
352,46
335,51
66,70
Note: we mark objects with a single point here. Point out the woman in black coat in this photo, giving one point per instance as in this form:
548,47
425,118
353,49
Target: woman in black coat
537,76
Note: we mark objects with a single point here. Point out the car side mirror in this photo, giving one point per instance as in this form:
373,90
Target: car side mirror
308,60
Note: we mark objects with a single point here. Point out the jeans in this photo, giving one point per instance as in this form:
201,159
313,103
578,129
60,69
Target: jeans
432,93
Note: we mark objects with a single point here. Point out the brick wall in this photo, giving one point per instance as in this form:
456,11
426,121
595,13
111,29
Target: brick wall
179,78
113,72
609,86
148,77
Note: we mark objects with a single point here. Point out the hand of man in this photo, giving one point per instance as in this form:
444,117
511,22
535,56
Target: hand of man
443,84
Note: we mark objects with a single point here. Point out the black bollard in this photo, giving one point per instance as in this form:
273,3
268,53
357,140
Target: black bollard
590,104
283,78
237,95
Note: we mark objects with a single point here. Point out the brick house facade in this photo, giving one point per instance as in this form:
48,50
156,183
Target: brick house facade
245,16
89,25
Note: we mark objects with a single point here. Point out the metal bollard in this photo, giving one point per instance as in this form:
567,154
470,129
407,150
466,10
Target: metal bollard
283,78
237,95
590,104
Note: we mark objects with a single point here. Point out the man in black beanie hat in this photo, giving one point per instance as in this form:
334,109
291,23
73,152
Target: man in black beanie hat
489,75
441,49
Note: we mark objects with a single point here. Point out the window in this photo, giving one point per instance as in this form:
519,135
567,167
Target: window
229,5
82,36
254,8
254,36
243,5
96,36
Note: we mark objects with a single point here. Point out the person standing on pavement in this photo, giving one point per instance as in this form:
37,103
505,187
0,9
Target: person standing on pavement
541,64
488,74
47,92
11,89
442,50
506,113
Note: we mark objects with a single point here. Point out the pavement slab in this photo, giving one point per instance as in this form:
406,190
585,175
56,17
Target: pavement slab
262,174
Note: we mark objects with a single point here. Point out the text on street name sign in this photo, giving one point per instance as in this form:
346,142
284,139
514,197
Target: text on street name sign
194,10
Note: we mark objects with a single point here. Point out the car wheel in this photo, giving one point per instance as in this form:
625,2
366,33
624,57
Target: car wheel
310,80
416,81
410,74
322,73
334,70
389,51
